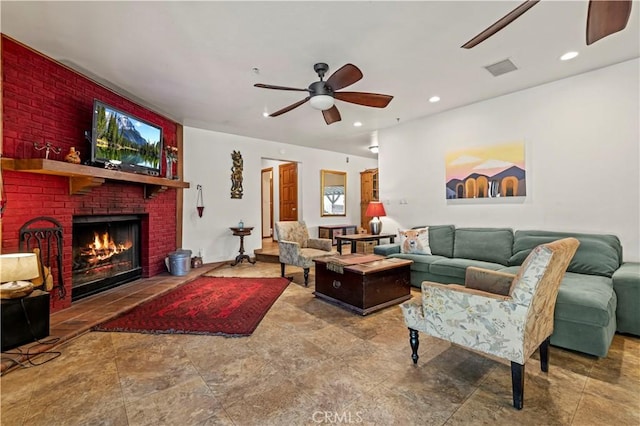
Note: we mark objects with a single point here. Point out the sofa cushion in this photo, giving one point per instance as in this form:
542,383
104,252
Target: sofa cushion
421,262
587,299
596,255
457,267
441,238
487,244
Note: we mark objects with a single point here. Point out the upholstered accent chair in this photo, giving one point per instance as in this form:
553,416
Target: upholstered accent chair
296,248
508,326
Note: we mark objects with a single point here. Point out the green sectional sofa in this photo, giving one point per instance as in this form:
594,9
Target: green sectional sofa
598,296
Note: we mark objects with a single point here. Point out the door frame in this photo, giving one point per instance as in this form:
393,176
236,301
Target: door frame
262,209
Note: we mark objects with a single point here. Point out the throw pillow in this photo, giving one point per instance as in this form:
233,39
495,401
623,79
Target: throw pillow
414,241
489,281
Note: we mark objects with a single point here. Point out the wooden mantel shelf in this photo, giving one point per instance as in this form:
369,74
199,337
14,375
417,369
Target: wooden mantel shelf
83,178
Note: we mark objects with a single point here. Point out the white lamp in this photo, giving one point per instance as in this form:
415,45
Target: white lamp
321,102
15,271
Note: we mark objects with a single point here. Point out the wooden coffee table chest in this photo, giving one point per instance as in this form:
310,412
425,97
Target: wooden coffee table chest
362,283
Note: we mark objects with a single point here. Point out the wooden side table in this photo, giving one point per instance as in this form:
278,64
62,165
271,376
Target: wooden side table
242,232
332,231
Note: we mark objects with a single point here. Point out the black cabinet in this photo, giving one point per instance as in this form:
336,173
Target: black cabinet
24,320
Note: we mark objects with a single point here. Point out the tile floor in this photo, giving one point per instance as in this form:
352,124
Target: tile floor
307,363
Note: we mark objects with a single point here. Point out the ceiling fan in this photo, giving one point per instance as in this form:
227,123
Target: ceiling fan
322,94
604,18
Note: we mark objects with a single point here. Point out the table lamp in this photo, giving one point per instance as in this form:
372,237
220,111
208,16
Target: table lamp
375,209
15,271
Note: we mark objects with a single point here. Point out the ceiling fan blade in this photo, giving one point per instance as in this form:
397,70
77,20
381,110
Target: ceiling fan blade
501,23
331,115
345,76
606,17
375,100
269,86
289,108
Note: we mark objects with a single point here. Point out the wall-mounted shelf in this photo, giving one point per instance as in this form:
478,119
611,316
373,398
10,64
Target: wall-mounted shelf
83,178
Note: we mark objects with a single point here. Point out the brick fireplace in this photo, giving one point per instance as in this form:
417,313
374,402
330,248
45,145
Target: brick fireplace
44,101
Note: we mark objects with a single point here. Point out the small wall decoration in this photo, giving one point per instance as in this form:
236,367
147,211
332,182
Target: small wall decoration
486,172
236,175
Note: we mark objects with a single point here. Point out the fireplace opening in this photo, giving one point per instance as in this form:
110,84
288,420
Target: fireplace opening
106,253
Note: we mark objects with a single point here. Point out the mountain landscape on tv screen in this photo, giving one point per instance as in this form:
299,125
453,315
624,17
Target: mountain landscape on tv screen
118,138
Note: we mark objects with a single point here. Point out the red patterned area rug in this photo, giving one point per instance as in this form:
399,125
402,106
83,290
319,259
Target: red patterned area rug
207,305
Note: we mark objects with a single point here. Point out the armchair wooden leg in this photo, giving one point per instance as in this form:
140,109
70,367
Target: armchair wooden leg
414,342
306,277
282,269
517,384
544,355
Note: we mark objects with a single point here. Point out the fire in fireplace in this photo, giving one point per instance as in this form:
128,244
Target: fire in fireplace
106,253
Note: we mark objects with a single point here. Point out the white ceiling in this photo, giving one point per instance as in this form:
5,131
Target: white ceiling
193,61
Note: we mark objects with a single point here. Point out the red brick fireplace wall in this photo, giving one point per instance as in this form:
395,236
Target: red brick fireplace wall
44,101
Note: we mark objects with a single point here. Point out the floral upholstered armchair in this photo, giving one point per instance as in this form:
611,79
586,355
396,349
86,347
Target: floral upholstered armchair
296,248
510,326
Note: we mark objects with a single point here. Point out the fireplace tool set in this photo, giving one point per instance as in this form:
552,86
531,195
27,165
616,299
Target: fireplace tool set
47,241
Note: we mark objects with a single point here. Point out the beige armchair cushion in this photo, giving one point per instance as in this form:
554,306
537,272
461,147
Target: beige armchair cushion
489,281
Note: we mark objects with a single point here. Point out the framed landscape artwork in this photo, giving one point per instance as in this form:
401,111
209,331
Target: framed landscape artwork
494,171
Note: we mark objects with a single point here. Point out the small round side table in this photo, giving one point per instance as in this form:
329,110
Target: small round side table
242,232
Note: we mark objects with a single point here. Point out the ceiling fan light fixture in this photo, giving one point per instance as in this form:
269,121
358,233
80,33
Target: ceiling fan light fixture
321,102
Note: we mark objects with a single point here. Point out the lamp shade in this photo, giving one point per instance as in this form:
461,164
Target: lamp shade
375,209
18,267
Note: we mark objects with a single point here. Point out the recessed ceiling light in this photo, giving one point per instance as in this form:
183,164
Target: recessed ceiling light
357,124
568,55
434,99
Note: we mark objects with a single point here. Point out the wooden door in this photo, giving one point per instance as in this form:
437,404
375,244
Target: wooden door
288,174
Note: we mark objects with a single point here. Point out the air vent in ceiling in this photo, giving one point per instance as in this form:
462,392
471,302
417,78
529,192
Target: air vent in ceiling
501,67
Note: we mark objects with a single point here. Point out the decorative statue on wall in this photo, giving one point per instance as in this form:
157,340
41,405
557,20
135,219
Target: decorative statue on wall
236,175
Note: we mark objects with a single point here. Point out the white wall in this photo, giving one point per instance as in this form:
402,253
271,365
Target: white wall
582,158
207,158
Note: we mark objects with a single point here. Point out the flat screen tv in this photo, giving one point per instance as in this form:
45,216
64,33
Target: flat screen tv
121,140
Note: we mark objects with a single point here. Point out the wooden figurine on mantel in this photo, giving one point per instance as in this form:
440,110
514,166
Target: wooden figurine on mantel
73,156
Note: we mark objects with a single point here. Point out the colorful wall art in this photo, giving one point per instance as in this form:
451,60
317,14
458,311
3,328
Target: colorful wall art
486,172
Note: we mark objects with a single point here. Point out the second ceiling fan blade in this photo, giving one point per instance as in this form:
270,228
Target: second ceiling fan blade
606,17
375,100
289,108
345,76
270,86
331,115
501,23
